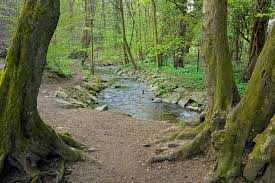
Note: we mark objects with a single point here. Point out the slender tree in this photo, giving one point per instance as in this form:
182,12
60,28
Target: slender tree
127,50
258,36
25,139
156,36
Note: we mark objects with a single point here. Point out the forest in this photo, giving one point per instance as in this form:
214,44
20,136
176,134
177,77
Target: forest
133,91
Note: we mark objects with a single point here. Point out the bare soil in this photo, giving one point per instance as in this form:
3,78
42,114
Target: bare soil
119,145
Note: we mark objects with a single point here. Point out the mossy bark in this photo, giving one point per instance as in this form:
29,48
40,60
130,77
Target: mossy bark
263,153
219,81
258,35
24,138
219,74
251,116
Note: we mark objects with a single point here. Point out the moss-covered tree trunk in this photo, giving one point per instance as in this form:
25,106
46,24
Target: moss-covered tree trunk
249,119
24,138
219,81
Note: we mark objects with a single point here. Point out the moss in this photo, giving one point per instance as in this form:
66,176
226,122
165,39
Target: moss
251,116
262,152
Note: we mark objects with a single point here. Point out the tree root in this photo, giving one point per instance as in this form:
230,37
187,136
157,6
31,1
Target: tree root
196,146
190,133
69,140
57,174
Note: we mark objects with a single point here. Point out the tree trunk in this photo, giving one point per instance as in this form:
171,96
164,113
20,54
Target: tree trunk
249,119
219,81
155,28
258,35
179,59
127,50
86,39
24,138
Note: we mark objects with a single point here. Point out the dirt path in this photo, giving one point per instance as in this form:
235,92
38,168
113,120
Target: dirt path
118,140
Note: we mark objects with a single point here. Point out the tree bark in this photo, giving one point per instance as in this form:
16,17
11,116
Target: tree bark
155,28
219,81
24,137
258,36
127,50
249,118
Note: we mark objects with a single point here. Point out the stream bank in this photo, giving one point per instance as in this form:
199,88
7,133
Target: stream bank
134,96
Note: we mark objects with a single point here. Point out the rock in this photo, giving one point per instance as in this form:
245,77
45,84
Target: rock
172,145
195,109
92,97
61,94
190,117
102,108
193,99
146,145
161,149
77,103
65,104
91,150
172,98
157,100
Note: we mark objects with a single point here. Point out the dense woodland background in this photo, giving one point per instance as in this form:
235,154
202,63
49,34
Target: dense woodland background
160,36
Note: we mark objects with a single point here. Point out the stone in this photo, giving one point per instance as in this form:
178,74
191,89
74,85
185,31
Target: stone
172,145
161,150
91,150
102,108
65,104
195,109
77,103
157,100
192,98
61,94
172,98
146,145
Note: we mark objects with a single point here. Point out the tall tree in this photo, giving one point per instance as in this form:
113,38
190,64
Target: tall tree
127,50
258,36
155,30
219,81
251,121
25,139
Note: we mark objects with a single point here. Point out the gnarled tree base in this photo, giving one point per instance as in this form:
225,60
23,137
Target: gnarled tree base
38,156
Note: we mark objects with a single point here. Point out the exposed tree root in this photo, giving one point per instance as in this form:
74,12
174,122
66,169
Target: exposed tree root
196,146
68,139
27,159
190,133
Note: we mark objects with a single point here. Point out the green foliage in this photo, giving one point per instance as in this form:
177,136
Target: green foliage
66,39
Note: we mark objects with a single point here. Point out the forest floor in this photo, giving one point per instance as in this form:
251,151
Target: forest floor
119,144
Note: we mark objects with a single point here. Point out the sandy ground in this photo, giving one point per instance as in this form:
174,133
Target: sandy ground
118,140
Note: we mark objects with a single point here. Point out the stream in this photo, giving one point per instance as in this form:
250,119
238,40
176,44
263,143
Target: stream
135,98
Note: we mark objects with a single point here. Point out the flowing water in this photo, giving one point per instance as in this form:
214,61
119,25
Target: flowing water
135,98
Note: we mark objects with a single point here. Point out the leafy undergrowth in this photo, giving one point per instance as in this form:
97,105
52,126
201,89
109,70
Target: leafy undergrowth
58,61
167,78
